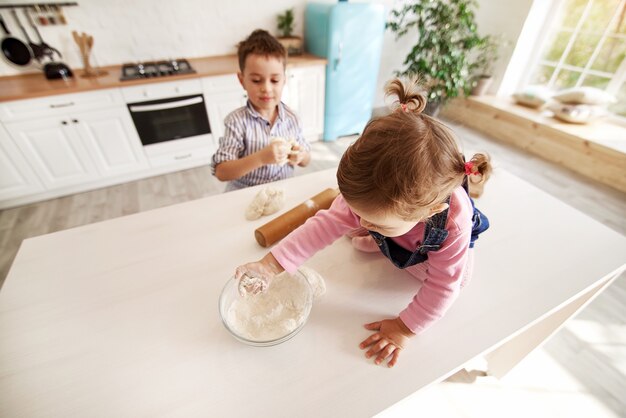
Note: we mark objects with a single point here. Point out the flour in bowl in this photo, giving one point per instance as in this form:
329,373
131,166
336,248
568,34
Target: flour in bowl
274,313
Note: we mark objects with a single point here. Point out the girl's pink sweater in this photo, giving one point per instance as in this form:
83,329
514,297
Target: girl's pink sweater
443,274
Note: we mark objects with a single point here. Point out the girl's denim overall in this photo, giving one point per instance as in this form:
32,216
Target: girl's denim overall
434,235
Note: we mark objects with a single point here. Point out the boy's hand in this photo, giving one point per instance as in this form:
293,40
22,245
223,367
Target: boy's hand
296,156
275,153
392,336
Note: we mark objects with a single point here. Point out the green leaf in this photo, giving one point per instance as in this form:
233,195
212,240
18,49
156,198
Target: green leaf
447,44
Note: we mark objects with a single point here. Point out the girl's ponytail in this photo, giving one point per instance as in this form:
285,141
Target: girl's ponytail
482,164
478,169
410,96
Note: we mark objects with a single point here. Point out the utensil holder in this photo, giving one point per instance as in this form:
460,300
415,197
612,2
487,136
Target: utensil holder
85,44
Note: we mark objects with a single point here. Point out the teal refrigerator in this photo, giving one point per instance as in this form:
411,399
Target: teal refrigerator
350,37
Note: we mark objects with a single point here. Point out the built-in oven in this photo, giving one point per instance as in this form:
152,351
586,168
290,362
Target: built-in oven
163,120
172,121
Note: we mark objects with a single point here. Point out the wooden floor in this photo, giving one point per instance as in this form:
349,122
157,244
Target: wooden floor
580,372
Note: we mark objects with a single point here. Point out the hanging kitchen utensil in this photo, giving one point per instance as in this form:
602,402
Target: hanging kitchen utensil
45,48
60,16
40,18
37,50
14,50
50,15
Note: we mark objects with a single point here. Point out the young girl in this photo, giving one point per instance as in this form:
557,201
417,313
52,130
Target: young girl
402,182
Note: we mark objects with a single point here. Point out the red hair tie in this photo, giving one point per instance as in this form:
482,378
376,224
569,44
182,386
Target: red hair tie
469,168
404,107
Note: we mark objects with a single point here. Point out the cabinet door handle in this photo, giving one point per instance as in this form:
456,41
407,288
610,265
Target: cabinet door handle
54,106
74,120
339,55
63,122
182,157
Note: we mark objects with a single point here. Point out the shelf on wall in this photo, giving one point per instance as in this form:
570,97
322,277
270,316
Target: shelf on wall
29,5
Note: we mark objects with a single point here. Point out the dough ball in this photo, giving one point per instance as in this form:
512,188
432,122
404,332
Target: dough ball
256,207
286,147
267,201
275,200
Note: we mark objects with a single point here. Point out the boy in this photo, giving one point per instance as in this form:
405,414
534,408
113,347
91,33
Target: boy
247,155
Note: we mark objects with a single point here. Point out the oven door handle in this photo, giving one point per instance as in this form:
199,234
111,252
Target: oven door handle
163,106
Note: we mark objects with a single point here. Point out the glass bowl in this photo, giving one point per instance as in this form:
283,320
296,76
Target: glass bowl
271,317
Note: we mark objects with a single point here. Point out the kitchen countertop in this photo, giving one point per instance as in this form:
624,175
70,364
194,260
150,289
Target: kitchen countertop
28,86
120,318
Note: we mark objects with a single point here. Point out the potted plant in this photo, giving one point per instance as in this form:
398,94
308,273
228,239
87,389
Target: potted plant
482,67
446,34
293,44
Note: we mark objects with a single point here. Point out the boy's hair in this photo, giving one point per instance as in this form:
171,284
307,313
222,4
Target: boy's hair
260,42
406,161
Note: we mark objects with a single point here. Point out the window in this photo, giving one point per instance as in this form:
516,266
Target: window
586,46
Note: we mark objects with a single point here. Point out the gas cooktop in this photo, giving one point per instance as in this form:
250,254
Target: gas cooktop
155,69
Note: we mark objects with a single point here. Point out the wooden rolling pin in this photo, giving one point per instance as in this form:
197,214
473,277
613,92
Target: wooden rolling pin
279,227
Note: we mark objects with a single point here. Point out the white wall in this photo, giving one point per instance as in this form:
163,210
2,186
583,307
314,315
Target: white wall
506,18
526,53
134,30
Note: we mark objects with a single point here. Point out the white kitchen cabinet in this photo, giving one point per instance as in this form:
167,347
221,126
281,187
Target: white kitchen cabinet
111,140
16,176
222,95
59,105
60,144
228,83
304,93
74,149
219,106
54,151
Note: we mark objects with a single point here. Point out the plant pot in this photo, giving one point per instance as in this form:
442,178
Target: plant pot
482,85
432,108
293,44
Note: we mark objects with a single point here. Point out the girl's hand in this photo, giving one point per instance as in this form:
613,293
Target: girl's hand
265,269
275,153
391,338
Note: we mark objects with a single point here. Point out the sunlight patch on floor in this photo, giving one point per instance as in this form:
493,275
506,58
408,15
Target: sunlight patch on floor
539,387
593,332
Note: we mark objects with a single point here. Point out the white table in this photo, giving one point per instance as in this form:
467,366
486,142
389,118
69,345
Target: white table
120,319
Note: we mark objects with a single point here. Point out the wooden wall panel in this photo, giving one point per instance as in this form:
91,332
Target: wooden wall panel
541,135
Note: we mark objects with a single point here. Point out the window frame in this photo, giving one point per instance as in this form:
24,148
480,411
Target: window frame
617,79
